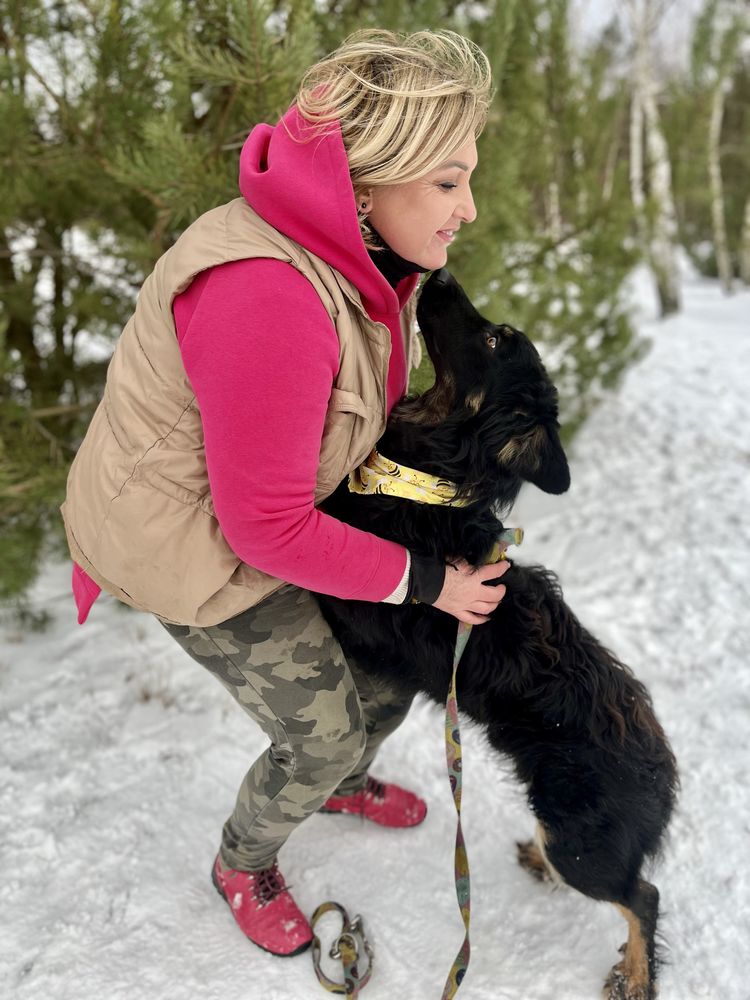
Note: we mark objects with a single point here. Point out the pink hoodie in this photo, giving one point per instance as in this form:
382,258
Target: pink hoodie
262,354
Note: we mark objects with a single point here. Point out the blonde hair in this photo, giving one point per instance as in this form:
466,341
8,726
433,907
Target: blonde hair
404,102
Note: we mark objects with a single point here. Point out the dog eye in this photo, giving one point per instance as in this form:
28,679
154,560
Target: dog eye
491,341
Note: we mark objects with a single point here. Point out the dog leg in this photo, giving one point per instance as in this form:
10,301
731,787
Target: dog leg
634,978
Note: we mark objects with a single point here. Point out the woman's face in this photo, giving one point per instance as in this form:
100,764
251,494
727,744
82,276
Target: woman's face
419,218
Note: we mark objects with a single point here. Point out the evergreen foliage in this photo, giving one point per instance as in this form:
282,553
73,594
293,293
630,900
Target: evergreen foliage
122,122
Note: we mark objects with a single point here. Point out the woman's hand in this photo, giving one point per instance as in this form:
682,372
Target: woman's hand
466,596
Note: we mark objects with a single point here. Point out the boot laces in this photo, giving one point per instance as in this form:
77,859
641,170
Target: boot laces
375,788
268,884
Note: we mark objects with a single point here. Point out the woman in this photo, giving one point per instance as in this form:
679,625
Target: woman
265,352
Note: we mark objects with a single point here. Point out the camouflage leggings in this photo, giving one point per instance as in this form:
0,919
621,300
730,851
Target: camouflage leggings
324,717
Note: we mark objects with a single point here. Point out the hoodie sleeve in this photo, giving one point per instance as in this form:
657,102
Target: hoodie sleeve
261,354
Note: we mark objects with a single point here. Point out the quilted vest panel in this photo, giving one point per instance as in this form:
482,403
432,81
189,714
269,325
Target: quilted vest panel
138,511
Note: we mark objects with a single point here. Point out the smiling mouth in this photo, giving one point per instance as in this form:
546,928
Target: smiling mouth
447,234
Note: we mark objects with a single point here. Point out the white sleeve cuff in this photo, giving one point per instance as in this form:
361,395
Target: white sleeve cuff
399,594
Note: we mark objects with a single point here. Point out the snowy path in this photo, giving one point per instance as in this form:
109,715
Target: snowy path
120,758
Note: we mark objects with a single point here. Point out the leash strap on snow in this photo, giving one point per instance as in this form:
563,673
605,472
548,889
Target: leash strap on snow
351,943
349,947
510,536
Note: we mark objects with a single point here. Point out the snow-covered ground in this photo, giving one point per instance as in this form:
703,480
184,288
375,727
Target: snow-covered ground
120,757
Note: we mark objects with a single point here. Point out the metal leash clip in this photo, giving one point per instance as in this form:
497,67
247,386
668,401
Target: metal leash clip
347,948
356,929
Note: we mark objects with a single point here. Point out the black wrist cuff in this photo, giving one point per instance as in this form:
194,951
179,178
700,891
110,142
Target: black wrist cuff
426,579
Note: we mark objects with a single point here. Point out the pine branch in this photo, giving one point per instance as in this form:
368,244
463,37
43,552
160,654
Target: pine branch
17,489
63,409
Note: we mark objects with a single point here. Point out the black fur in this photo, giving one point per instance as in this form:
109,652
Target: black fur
577,725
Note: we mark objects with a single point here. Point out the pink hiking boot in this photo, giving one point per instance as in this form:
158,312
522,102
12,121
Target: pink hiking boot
262,906
386,804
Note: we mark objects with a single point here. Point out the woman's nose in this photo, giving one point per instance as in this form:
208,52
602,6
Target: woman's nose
467,209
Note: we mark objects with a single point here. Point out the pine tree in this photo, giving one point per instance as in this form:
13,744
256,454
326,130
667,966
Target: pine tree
122,121
549,251
74,81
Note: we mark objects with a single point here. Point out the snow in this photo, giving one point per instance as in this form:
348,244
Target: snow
121,757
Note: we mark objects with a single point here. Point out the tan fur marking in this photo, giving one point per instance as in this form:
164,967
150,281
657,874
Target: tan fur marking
533,857
527,446
530,858
541,838
634,965
433,406
474,400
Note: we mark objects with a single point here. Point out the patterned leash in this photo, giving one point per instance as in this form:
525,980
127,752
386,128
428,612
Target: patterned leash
351,942
348,947
511,536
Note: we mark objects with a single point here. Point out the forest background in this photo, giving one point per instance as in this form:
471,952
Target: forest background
122,120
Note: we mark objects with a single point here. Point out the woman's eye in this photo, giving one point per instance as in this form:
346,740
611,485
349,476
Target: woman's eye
491,341
448,187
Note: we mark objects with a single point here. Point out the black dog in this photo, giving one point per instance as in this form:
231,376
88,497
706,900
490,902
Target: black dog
578,726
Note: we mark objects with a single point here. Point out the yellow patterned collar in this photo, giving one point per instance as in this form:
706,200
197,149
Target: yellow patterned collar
380,475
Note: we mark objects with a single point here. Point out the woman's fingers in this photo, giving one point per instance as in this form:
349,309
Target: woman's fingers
471,617
492,572
485,607
468,595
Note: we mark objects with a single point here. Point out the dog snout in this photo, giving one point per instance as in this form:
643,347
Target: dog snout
441,277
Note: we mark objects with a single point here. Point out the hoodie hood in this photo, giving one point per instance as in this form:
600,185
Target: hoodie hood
303,189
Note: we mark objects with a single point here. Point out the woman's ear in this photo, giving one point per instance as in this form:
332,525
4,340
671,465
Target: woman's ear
364,201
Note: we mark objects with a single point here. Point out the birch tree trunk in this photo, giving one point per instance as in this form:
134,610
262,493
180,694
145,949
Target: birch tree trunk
637,193
552,211
728,27
579,164
721,245
658,234
745,245
613,155
664,226
553,215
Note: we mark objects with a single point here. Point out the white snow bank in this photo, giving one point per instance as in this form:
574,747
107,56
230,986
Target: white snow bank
121,757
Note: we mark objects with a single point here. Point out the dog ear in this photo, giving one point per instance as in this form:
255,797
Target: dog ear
539,458
552,474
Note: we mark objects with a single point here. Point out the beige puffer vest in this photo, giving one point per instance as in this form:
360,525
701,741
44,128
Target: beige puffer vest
138,511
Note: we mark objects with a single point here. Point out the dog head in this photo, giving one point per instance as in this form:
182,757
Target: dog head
491,378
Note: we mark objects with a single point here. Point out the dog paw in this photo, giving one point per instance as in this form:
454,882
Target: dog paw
620,986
